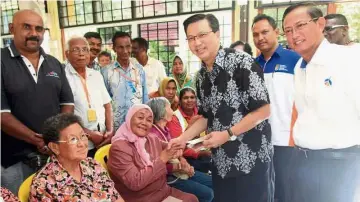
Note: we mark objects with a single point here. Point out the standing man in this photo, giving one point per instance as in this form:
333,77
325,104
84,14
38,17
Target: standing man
326,132
337,30
234,103
154,69
92,101
278,66
95,41
124,80
33,88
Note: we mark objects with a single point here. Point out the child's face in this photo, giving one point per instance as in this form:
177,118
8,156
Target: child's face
104,60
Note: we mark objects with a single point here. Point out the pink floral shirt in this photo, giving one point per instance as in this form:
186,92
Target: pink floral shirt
53,183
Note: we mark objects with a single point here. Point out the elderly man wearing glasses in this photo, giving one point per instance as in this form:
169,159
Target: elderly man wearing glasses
92,101
70,176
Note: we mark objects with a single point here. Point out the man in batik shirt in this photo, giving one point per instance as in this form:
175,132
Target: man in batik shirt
234,102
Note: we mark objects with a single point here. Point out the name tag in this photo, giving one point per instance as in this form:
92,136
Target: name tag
91,114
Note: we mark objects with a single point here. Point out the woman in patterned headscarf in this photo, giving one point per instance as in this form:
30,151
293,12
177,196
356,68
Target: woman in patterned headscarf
167,89
180,73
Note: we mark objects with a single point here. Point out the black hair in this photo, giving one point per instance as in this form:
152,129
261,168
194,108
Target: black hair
142,42
55,124
341,19
260,17
95,35
312,10
184,90
105,53
213,21
120,35
247,47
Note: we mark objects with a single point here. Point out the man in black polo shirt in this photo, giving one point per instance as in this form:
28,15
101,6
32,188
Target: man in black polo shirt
33,88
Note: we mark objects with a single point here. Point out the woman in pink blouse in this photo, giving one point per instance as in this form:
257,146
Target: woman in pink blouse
137,161
70,176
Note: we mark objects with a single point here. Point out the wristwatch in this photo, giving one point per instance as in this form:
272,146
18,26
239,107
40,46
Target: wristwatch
232,137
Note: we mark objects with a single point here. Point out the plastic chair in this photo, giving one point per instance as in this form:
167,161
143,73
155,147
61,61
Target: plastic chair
24,190
101,154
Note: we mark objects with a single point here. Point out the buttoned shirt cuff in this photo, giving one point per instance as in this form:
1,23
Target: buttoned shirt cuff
5,110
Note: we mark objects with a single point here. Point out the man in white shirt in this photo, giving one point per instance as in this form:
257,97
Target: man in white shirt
154,69
326,164
92,101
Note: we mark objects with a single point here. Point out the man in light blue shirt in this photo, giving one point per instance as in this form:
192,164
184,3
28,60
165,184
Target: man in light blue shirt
125,81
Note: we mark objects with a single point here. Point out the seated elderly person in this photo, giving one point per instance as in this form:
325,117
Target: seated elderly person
186,178
137,160
70,176
183,118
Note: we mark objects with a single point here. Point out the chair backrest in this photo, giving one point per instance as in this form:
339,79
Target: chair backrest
24,190
101,154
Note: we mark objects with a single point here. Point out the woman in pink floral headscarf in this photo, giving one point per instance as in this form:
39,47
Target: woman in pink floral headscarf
137,160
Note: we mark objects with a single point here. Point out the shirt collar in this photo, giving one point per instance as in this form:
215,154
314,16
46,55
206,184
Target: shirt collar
321,53
117,65
15,53
219,59
73,71
62,176
278,51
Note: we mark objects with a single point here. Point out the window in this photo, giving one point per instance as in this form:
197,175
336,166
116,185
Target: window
188,6
107,33
75,12
112,10
278,12
8,8
150,8
6,42
163,37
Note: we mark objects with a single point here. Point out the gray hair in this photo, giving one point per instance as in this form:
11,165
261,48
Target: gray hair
67,44
158,106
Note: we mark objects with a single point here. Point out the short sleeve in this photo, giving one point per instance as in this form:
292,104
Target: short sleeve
198,84
66,95
254,86
4,101
104,93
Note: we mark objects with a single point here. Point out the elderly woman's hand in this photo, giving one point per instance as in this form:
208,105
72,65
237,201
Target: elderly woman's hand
168,154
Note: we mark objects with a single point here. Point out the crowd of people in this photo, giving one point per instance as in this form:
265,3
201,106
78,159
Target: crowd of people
279,127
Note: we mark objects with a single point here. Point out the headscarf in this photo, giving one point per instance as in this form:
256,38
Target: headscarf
125,133
183,77
163,86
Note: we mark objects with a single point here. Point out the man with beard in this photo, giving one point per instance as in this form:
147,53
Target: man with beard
94,41
33,88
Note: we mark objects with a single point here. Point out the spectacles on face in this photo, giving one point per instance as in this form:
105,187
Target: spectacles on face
201,35
77,51
75,140
288,31
331,28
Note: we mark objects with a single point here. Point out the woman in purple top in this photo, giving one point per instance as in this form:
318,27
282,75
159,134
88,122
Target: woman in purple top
180,174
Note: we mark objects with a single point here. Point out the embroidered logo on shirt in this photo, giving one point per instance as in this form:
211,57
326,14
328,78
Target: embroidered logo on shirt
53,74
279,67
328,82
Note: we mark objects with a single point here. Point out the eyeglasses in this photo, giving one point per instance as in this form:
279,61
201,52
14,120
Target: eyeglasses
297,27
201,35
331,28
75,140
77,51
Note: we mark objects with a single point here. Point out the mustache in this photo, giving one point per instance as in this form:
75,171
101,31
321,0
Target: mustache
33,38
95,49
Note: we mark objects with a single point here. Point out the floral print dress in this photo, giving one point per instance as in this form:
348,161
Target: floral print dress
53,183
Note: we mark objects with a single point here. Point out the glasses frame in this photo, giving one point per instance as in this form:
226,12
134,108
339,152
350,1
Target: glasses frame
293,28
331,28
78,51
77,141
201,35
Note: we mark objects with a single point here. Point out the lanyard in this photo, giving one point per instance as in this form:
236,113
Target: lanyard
83,82
119,69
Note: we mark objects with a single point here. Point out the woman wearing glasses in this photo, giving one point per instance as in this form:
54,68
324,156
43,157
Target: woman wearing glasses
70,175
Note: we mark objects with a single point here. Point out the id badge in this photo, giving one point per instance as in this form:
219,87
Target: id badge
91,113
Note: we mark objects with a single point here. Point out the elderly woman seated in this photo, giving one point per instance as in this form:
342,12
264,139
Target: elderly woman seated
70,175
137,161
183,118
186,178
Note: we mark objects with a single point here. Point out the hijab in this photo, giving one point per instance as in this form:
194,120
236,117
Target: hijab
163,86
183,77
125,133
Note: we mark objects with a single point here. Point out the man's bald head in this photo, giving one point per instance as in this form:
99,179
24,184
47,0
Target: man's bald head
28,30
